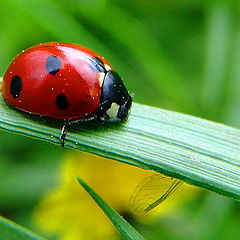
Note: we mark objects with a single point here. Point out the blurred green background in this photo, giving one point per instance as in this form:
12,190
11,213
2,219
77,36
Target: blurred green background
179,55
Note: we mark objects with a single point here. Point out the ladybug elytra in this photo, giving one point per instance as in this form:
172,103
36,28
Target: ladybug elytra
65,81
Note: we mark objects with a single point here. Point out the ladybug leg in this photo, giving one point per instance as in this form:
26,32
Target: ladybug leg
101,111
65,127
101,119
63,134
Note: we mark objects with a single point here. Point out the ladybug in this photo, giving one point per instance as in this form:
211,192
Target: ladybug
66,81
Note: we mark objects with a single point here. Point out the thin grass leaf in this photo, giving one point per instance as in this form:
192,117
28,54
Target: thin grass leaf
194,150
125,229
12,231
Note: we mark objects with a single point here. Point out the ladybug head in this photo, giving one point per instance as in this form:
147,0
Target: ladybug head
115,101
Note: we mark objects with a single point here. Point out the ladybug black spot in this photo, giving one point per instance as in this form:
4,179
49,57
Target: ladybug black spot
53,64
15,86
97,65
61,101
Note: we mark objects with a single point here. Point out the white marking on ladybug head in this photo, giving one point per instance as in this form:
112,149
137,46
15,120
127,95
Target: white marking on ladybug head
107,67
101,77
113,110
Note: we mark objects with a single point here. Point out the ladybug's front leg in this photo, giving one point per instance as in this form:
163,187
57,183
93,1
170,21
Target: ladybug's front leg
63,134
66,125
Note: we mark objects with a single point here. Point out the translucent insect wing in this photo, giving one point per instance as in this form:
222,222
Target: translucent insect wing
151,192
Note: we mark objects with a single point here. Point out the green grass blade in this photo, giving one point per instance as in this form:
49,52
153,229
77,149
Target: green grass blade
12,231
194,150
125,229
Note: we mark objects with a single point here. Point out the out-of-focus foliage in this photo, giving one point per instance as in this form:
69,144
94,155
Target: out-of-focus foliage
62,208
179,55
69,211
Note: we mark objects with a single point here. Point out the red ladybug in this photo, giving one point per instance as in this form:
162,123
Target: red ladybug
67,81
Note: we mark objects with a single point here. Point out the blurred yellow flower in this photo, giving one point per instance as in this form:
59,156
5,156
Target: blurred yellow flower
68,211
